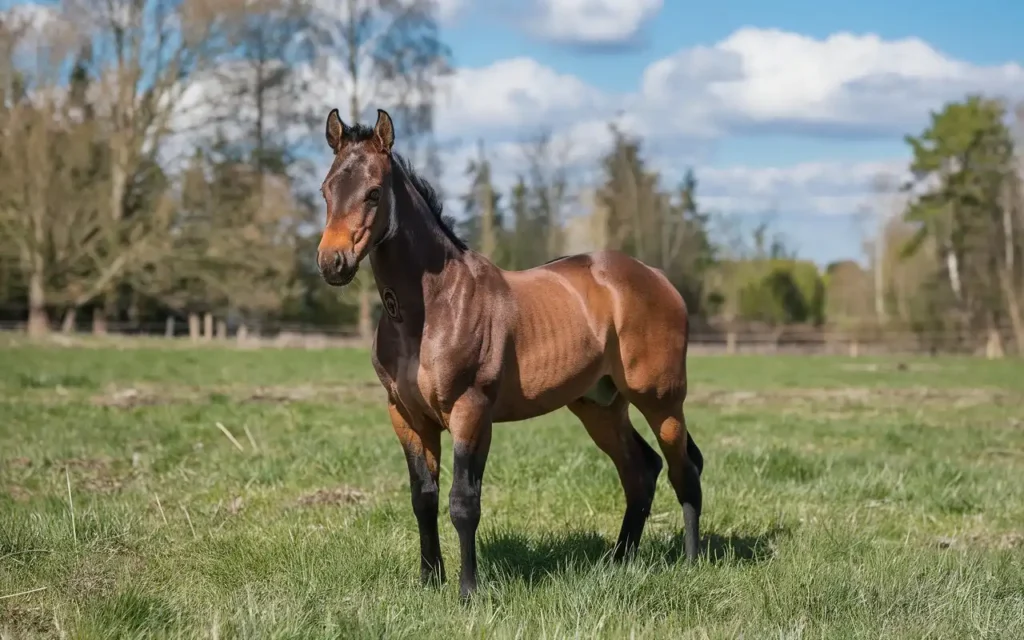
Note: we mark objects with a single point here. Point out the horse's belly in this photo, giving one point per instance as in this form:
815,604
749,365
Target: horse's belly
559,340
532,389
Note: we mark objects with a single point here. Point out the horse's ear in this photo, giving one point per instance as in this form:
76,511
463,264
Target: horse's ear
335,131
384,131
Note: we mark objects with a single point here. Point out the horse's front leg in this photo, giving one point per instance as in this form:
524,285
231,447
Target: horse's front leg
422,446
470,425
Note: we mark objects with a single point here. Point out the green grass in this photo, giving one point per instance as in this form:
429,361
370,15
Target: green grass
843,498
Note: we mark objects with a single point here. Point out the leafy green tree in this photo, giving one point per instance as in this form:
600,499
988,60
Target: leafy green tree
961,165
664,229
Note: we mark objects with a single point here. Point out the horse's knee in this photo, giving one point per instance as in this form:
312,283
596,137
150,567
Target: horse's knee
464,499
425,498
464,507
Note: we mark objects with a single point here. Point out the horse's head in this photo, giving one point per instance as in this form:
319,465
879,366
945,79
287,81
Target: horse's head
358,194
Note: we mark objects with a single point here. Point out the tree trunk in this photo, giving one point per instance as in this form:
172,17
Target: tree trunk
953,271
207,326
1013,309
38,321
242,334
169,327
880,277
193,327
222,329
485,202
107,303
134,313
68,324
1006,273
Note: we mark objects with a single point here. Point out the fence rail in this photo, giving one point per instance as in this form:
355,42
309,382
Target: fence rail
784,340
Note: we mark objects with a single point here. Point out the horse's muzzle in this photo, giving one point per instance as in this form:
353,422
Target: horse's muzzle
336,267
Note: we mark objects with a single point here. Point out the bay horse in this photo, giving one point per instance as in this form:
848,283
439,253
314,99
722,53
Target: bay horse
463,344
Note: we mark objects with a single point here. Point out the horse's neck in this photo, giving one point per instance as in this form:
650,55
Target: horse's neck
414,257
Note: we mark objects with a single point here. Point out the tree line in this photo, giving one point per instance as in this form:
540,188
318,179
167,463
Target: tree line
946,256
156,155
158,161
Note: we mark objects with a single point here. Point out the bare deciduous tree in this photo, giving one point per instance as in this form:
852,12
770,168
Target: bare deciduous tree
47,214
145,53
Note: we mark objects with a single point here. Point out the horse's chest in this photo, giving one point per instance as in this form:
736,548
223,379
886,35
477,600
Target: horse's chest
414,388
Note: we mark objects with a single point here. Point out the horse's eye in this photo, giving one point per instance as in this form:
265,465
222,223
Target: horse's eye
373,195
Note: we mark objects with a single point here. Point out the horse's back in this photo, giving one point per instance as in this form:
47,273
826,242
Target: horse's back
632,282
589,315
646,318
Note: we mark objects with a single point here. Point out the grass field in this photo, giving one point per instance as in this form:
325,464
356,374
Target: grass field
843,498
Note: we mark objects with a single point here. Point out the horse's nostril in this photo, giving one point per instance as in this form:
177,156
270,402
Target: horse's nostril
339,261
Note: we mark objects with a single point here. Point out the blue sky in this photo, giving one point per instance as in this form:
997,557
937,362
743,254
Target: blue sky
786,109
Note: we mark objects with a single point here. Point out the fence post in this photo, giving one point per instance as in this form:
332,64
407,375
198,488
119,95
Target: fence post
994,345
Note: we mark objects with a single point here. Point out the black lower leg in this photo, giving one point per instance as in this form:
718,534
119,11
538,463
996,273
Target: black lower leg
688,490
693,452
464,506
631,531
424,505
638,506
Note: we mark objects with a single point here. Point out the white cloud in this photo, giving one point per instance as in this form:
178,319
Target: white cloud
30,15
592,22
448,11
827,188
41,33
754,81
844,84
509,94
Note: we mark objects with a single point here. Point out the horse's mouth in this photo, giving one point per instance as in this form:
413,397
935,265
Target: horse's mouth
340,280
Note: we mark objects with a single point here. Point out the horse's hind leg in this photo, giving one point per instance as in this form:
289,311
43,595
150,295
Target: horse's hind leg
637,463
693,452
669,426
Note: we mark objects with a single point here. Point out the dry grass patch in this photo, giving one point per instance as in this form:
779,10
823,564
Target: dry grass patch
333,497
855,397
141,395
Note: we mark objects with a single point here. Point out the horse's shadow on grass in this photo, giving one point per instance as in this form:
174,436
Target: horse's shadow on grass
532,559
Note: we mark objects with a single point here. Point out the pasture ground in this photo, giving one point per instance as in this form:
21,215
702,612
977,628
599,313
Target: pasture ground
843,498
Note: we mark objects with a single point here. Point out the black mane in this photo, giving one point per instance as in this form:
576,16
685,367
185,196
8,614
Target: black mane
363,133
